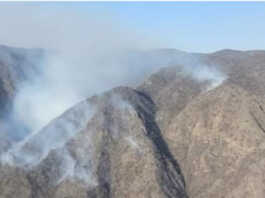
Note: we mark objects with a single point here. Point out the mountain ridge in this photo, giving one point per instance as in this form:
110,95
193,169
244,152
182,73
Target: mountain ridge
171,136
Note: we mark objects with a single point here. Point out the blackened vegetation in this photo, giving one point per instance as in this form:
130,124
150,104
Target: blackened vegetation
103,172
169,174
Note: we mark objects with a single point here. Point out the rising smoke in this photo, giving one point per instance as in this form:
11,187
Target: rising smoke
195,67
86,54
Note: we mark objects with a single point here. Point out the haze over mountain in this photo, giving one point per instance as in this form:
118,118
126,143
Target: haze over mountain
192,126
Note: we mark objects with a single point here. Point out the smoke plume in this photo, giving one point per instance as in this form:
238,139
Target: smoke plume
195,67
86,54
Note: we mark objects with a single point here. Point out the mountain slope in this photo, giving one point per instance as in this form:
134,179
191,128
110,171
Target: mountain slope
178,134
124,155
218,140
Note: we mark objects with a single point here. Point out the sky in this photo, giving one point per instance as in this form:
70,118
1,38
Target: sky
188,26
200,27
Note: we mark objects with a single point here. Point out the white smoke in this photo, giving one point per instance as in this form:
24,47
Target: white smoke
195,67
81,169
210,74
35,147
87,54
132,142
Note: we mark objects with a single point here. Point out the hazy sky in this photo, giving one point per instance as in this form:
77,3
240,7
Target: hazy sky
189,26
199,26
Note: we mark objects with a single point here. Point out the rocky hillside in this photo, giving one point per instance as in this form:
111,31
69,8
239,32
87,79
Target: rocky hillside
116,151
177,135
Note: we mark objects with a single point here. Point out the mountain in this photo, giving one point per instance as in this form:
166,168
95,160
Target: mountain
218,141
193,129
117,151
